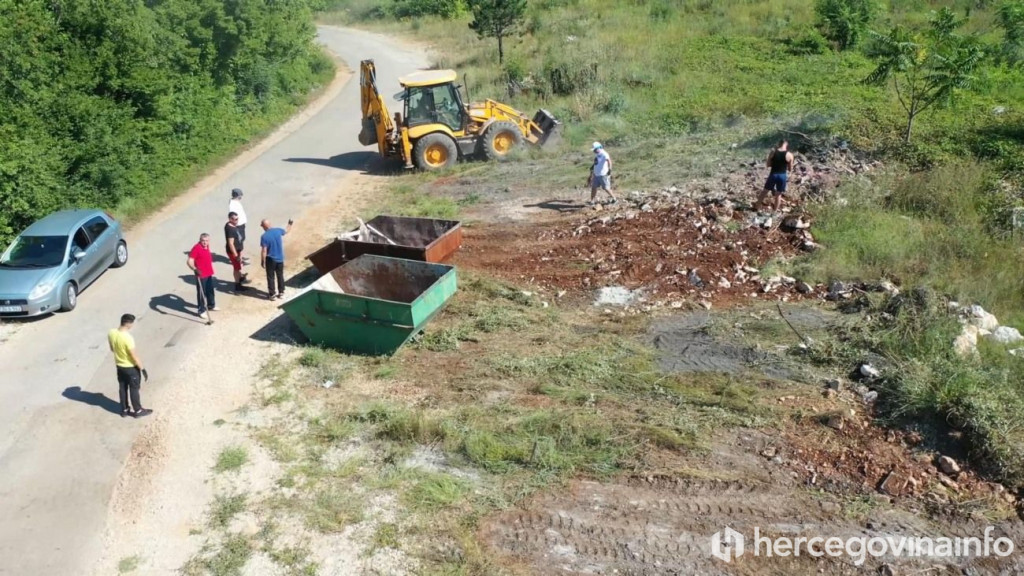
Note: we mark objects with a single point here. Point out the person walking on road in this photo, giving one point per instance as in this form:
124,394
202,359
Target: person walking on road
780,164
272,257
233,246
200,261
600,174
235,205
130,370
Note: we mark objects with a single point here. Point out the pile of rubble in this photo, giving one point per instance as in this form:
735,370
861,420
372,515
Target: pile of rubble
673,247
977,323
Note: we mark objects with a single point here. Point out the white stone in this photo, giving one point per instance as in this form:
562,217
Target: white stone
869,371
982,319
966,344
1005,335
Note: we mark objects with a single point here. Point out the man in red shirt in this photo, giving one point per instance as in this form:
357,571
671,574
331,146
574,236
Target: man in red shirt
200,260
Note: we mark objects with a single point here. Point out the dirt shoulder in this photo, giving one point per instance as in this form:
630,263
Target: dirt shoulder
160,508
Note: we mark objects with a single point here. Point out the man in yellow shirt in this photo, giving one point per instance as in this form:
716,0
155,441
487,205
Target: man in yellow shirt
129,368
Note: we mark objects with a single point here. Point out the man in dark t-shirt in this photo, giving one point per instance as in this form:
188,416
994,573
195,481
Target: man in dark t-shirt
233,246
780,164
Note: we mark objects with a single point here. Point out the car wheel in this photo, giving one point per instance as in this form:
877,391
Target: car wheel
120,255
68,297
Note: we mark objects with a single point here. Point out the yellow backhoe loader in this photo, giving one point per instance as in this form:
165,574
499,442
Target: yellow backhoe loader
436,128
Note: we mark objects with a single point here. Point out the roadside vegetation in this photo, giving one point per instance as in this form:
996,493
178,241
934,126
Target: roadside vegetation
935,90
404,458
120,104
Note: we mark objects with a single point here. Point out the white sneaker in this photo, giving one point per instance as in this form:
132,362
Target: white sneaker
215,308
204,316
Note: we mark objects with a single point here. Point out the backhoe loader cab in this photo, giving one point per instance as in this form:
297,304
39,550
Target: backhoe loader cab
436,127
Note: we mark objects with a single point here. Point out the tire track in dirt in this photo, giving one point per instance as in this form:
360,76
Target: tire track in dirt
663,525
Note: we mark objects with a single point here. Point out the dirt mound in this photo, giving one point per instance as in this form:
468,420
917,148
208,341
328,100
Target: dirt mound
674,249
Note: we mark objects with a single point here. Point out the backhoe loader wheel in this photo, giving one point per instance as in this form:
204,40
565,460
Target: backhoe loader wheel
435,151
499,140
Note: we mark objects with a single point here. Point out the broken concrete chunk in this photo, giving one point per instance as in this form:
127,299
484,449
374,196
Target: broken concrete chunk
803,288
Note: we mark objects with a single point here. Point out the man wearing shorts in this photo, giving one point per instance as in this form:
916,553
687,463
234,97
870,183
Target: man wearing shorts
233,246
601,173
780,164
129,368
235,205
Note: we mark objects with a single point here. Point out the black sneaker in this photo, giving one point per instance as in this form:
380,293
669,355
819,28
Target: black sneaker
142,413
240,288
126,413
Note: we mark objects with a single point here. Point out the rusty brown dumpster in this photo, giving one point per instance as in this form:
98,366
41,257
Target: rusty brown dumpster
422,239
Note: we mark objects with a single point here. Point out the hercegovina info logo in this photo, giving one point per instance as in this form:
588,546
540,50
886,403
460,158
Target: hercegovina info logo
727,544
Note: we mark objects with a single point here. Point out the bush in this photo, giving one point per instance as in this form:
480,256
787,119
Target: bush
844,21
807,42
571,76
112,103
447,9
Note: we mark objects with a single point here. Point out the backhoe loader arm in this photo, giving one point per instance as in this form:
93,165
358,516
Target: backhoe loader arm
378,126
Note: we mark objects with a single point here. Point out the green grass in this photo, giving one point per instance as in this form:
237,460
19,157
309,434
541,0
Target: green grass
295,560
331,509
229,559
432,492
947,228
688,67
225,508
128,564
386,536
231,458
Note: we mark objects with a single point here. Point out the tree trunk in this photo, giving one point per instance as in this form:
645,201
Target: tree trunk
501,50
910,127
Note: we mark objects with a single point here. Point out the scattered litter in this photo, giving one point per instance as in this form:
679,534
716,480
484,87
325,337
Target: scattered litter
328,384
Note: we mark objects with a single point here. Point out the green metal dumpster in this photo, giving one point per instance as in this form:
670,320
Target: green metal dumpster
373,304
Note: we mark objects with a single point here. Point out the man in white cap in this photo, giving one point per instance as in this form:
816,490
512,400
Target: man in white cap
600,174
235,205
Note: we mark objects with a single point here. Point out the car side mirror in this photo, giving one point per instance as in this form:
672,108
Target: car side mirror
78,255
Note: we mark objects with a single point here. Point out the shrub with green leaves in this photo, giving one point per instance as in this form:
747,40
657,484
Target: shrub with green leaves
844,22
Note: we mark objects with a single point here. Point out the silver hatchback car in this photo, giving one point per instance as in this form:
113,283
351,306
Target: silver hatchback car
48,264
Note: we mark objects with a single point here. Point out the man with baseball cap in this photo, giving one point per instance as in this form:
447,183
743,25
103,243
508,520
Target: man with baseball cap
600,173
235,205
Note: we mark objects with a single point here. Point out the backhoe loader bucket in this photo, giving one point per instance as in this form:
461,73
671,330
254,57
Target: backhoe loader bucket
368,135
550,129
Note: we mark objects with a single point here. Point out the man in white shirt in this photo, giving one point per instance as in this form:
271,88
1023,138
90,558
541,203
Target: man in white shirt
600,173
235,205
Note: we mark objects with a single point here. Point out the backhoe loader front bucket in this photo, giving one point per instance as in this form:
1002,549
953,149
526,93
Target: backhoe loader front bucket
550,129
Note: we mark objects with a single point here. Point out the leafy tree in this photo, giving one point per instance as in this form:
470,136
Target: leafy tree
1011,20
497,19
926,67
102,103
844,22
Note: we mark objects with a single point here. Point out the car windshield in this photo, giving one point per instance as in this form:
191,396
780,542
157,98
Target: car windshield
35,252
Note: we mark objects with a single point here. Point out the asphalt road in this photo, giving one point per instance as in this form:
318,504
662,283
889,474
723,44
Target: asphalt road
62,444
